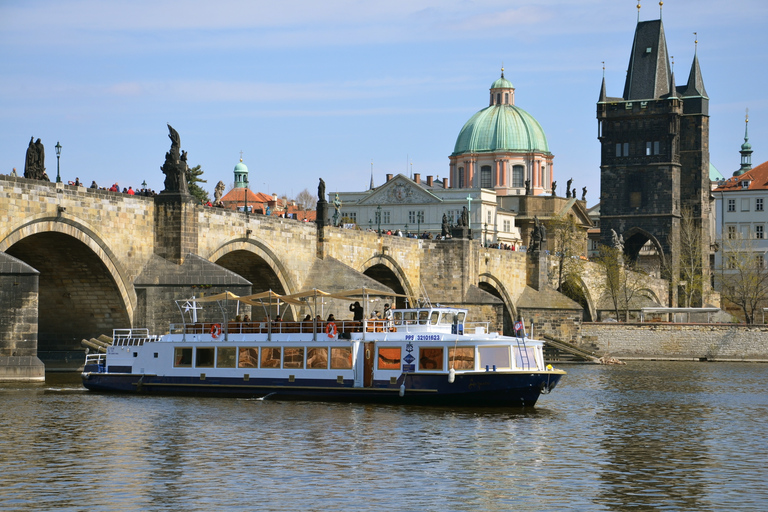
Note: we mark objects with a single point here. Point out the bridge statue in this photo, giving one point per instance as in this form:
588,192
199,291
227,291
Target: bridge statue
34,165
217,193
175,166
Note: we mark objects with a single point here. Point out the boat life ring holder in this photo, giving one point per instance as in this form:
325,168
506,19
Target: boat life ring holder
331,330
215,330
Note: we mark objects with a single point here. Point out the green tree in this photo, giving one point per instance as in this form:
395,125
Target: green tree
193,178
743,275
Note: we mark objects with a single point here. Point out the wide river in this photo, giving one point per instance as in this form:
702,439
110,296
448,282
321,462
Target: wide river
646,436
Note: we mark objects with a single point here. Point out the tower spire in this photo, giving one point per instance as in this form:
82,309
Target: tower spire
603,95
371,187
746,150
638,11
661,6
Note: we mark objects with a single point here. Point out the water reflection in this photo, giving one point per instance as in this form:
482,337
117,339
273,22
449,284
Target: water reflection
647,436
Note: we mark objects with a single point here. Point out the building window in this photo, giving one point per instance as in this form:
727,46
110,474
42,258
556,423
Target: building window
506,98
377,217
731,205
731,230
759,204
352,216
759,231
745,205
420,216
453,216
656,148
485,177
386,219
760,260
517,175
488,217
461,177
498,98
507,226
416,216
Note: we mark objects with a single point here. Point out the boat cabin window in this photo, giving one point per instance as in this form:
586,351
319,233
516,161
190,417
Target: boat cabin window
525,357
317,358
397,317
461,358
341,358
182,357
490,356
409,317
449,317
423,317
225,357
270,357
248,358
430,358
293,357
389,358
433,317
205,357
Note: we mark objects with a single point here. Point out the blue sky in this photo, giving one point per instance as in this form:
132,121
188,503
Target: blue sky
309,89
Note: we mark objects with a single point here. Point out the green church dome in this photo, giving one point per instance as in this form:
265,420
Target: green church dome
501,128
241,167
502,83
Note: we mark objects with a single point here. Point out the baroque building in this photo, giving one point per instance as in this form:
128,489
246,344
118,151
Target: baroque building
502,147
655,156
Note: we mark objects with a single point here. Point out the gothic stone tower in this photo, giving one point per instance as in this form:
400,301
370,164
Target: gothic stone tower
655,155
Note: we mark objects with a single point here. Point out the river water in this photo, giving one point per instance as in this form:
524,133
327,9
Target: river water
646,436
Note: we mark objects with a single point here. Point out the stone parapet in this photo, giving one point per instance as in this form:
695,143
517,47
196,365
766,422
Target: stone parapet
710,342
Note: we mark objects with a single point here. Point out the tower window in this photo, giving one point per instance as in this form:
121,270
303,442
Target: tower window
498,98
759,204
506,98
461,177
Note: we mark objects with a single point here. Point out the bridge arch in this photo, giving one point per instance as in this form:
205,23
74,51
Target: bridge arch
83,288
579,292
384,269
634,240
493,285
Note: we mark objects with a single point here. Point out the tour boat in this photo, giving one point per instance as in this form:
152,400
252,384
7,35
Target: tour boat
426,355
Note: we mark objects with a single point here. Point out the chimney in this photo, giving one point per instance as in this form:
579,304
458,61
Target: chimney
389,177
429,181
445,182
274,197
417,178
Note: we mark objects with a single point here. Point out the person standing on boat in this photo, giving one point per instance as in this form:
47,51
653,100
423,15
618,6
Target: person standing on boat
357,309
388,315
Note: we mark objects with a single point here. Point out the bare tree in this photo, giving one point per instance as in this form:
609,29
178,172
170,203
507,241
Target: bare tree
743,274
691,263
306,201
568,244
623,282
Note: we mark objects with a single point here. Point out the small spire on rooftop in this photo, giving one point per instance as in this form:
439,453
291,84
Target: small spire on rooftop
638,11
661,6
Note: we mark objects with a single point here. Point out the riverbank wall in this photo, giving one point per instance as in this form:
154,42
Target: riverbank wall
685,342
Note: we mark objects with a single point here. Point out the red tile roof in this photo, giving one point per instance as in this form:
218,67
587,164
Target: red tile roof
757,176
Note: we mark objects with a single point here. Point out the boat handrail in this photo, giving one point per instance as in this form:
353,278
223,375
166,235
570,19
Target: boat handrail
282,327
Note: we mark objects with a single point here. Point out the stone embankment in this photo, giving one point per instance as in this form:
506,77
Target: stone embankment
666,341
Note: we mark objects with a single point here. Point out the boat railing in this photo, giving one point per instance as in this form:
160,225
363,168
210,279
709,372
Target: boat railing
131,337
264,327
97,359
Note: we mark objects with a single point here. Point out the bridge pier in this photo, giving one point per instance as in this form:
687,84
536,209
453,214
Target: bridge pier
18,321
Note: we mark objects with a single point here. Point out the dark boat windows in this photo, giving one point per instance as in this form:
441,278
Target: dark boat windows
389,358
430,358
293,357
205,357
182,357
225,357
461,358
270,357
249,357
317,358
341,358
423,317
433,317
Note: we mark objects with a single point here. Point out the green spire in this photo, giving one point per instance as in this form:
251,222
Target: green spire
746,150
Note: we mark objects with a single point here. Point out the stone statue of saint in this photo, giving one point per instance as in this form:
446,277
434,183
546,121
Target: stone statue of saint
535,244
568,188
444,226
217,193
617,241
321,190
337,213
34,165
527,187
583,193
464,217
554,187
175,166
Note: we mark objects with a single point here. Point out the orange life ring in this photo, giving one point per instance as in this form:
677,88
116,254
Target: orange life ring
331,330
215,330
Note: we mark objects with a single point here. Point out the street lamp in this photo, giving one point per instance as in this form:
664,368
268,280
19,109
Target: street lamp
370,225
406,229
58,160
469,214
485,236
144,184
378,218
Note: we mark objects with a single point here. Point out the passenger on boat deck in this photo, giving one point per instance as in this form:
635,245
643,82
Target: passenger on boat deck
307,318
357,309
375,315
331,318
278,318
318,318
246,318
388,314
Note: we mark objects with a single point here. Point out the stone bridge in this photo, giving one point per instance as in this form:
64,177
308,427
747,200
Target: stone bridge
76,263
